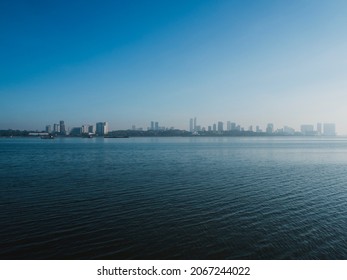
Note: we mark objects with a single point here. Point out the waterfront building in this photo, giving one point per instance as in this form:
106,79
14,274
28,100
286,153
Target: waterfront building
38,134
319,128
307,129
209,128
270,128
102,128
214,127
156,126
76,131
152,125
288,130
48,128
194,124
91,129
329,129
62,127
220,127
191,125
56,128
233,126
228,125
85,128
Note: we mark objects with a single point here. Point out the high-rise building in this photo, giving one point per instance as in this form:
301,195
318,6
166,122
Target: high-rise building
307,129
156,126
102,128
76,131
214,127
270,128
90,129
48,129
329,129
233,126
56,128
194,124
319,128
288,130
220,126
228,125
152,125
191,125
85,128
62,127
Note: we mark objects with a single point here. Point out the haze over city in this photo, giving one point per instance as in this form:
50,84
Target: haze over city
132,62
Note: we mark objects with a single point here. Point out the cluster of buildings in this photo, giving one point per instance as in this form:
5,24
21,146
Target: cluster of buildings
101,128
216,127
219,127
231,128
326,129
154,126
58,128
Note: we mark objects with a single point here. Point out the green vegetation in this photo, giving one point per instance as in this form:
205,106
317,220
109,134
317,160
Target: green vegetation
11,133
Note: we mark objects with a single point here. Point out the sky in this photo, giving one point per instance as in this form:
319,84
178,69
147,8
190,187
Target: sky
252,62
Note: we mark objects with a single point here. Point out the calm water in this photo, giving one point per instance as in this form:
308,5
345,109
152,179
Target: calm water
173,198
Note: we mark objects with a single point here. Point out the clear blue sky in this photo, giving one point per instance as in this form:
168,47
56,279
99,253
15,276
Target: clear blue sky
131,62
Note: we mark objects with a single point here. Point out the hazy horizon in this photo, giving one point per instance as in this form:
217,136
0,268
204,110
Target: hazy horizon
129,63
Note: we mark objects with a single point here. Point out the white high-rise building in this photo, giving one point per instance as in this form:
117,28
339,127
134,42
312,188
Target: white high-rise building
329,129
56,128
85,128
191,125
319,128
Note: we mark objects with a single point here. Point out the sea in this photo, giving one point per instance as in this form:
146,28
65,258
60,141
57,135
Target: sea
187,198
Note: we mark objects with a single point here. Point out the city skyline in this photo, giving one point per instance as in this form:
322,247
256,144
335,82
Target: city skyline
253,63
194,127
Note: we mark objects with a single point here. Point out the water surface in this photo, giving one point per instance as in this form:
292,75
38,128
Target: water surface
173,198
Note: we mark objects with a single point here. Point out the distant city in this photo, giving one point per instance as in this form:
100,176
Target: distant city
194,129
326,129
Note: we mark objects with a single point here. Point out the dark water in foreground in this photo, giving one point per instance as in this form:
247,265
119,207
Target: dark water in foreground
173,198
